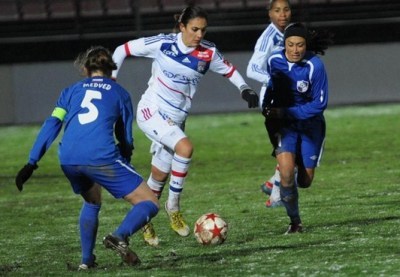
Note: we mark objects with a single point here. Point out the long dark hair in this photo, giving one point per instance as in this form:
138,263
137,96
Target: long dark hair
96,58
187,14
319,41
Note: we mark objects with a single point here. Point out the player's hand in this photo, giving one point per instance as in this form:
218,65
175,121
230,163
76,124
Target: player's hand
24,174
273,113
251,97
126,151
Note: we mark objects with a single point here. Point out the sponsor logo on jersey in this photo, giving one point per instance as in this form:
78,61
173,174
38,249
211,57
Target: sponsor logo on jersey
172,51
180,78
202,53
302,86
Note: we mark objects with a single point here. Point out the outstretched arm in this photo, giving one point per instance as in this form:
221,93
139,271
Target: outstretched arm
47,134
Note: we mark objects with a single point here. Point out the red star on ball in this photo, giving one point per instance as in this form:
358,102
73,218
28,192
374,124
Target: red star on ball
199,228
211,216
216,231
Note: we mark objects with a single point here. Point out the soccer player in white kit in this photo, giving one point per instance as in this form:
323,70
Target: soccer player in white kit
271,39
180,60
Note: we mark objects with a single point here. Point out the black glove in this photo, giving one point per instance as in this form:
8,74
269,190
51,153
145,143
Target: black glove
251,97
277,113
24,174
265,112
125,151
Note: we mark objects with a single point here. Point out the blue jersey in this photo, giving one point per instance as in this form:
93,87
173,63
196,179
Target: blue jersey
90,109
301,87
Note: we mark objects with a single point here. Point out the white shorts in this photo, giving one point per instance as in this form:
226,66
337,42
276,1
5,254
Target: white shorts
162,131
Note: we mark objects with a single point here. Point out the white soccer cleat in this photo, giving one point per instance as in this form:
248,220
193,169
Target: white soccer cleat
275,197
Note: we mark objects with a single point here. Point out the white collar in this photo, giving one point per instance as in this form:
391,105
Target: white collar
277,29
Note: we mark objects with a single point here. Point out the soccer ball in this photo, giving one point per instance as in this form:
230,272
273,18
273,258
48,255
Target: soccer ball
210,228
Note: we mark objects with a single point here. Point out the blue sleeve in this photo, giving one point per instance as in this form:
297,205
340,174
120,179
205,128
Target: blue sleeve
127,117
123,128
48,133
319,95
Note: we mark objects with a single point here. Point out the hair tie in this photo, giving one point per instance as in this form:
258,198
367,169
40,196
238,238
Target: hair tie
181,15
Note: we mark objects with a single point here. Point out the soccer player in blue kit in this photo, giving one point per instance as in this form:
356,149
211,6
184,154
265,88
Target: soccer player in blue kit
180,60
295,99
90,157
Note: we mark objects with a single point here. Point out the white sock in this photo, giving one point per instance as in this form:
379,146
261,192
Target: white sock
156,186
179,169
173,201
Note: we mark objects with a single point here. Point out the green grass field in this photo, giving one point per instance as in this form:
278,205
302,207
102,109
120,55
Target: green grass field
351,212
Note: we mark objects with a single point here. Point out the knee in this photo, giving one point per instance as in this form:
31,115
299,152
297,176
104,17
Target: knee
184,148
155,202
304,178
287,178
93,195
304,181
96,202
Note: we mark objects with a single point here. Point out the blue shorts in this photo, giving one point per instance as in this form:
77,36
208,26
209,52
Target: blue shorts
119,178
305,138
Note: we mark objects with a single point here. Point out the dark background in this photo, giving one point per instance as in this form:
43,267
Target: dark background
31,31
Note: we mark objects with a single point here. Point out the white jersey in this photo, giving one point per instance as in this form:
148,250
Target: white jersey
176,70
270,40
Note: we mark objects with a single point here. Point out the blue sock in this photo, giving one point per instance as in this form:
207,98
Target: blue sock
136,218
88,223
290,199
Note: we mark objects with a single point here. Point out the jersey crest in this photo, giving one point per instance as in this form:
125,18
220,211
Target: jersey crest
202,66
302,86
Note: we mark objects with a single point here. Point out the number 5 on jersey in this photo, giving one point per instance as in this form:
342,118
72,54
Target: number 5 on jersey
93,112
